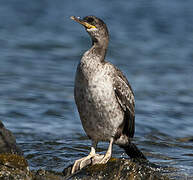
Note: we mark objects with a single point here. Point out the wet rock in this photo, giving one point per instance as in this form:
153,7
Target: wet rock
8,142
117,169
48,175
12,163
13,166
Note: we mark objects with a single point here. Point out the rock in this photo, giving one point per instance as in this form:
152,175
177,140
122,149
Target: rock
12,163
8,142
13,166
48,175
117,169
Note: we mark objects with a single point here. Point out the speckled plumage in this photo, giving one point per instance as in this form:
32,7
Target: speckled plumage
104,98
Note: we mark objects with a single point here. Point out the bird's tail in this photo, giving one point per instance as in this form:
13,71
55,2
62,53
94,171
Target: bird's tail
132,151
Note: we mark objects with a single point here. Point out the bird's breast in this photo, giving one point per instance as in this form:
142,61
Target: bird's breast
95,84
99,110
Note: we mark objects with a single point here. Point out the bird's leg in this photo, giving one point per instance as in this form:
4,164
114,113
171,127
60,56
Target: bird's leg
108,153
103,159
93,158
80,163
91,154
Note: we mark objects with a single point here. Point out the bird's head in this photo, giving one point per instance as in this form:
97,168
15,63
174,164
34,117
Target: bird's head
95,27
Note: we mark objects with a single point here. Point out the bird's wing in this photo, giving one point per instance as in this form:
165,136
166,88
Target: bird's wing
125,97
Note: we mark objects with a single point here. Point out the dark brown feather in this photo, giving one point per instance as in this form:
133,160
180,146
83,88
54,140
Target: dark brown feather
126,100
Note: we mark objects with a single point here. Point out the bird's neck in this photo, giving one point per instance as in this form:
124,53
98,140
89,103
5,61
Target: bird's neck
98,50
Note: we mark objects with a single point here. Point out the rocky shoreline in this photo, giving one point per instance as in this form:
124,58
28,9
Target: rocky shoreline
13,165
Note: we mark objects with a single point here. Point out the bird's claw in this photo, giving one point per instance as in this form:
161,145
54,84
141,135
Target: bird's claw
80,163
97,159
105,158
89,160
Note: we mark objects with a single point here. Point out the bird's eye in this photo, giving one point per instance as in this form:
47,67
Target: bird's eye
90,20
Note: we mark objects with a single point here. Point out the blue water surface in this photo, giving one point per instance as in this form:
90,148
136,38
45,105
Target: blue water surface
150,41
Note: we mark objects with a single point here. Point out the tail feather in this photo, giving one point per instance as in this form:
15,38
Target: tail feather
132,151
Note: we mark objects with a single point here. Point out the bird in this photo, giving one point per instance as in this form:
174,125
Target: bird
104,98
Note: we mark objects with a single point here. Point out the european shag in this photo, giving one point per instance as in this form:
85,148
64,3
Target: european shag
104,97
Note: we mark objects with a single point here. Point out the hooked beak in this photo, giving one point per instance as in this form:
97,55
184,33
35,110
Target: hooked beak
81,21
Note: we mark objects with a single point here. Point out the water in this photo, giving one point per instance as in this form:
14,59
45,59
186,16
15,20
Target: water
151,42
